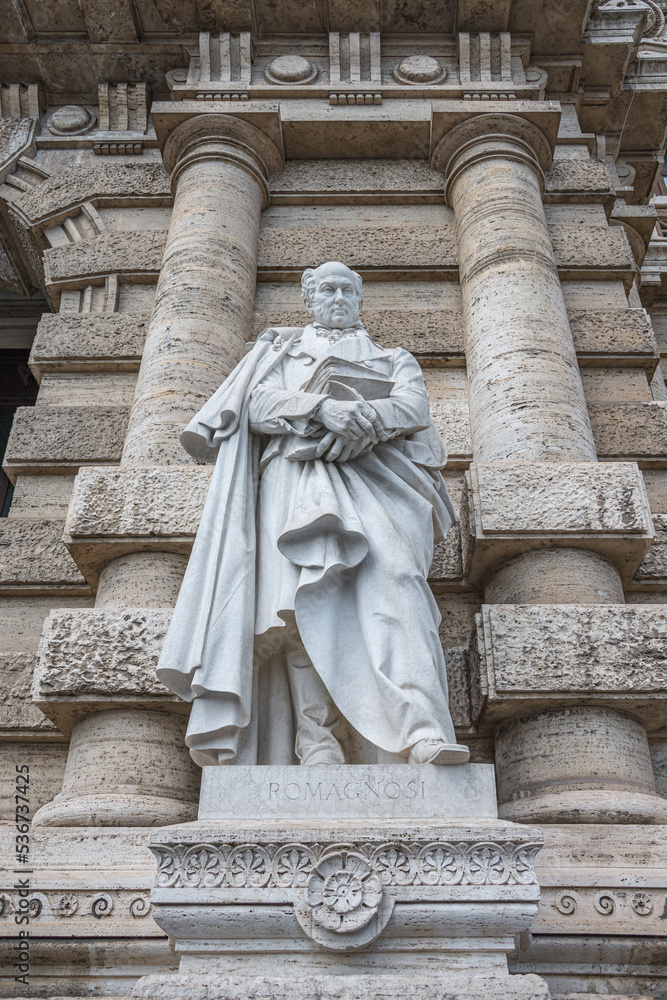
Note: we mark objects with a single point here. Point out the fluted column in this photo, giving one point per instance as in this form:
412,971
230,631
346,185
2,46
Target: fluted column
527,406
201,321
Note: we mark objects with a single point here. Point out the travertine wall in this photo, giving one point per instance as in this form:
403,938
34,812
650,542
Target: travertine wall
503,228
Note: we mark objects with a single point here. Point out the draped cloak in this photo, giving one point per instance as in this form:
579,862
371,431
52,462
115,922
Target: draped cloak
343,549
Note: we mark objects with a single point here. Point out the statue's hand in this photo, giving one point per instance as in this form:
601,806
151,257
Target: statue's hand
335,448
352,420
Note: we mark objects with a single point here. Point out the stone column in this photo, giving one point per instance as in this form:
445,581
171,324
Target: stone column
527,406
200,324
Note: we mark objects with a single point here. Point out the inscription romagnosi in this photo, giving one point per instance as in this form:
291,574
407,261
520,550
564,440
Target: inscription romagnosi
362,791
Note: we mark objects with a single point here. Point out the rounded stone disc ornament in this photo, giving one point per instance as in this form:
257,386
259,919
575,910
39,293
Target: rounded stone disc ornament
71,119
343,905
286,70
420,70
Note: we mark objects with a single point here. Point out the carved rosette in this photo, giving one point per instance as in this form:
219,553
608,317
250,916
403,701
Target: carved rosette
343,892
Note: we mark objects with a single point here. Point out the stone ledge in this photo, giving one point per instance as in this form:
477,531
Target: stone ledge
33,559
631,432
528,658
136,252
95,659
71,185
574,181
601,335
57,440
513,508
106,342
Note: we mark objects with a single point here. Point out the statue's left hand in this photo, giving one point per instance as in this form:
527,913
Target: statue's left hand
336,448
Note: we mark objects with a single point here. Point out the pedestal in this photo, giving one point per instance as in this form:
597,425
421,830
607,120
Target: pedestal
364,881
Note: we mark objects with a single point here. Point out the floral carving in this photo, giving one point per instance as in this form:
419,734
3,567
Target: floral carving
67,905
343,892
249,865
642,904
290,865
394,864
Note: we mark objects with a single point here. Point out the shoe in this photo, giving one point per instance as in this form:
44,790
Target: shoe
438,752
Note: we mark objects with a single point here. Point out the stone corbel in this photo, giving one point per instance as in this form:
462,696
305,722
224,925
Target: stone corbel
513,508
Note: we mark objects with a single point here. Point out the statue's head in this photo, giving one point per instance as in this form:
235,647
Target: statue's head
332,294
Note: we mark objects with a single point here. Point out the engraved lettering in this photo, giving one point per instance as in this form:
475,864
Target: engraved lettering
288,794
375,791
412,791
315,793
392,784
356,791
333,789
274,787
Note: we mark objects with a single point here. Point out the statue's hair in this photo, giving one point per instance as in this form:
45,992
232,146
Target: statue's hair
312,275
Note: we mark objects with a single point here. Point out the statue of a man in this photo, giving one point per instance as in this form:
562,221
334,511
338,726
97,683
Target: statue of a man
315,543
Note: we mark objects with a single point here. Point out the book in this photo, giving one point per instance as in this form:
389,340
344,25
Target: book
346,380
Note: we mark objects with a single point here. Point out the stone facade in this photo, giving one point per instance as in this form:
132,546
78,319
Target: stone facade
166,173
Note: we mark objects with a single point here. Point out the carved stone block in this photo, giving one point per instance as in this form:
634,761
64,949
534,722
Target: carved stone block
513,508
34,559
631,432
100,659
601,335
589,178
526,658
59,439
81,342
452,418
130,252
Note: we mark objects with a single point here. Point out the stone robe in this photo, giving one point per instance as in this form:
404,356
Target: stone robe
338,550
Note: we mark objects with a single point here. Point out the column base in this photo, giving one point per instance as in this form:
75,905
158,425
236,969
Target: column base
131,808
448,986
587,805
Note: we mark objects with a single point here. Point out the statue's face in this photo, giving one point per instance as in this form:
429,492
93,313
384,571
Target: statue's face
335,301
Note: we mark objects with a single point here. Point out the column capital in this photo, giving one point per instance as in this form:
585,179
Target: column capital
490,135
203,136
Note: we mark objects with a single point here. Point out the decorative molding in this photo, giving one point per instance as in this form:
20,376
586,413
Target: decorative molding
291,866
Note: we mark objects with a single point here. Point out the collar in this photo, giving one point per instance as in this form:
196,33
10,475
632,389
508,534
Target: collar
333,334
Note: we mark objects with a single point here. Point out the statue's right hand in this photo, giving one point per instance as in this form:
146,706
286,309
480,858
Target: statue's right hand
352,420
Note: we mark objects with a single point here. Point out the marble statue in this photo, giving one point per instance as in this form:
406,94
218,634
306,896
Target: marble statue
315,543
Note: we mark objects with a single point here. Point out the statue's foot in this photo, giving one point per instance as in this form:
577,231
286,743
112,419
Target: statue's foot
438,752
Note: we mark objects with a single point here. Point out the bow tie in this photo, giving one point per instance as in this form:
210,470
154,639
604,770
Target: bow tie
335,333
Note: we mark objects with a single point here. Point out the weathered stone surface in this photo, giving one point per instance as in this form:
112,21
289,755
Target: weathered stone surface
447,565
80,182
361,180
145,502
34,558
588,247
79,342
452,418
129,252
599,334
64,437
587,177
528,657
654,565
383,247
17,711
515,508
631,431
107,653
